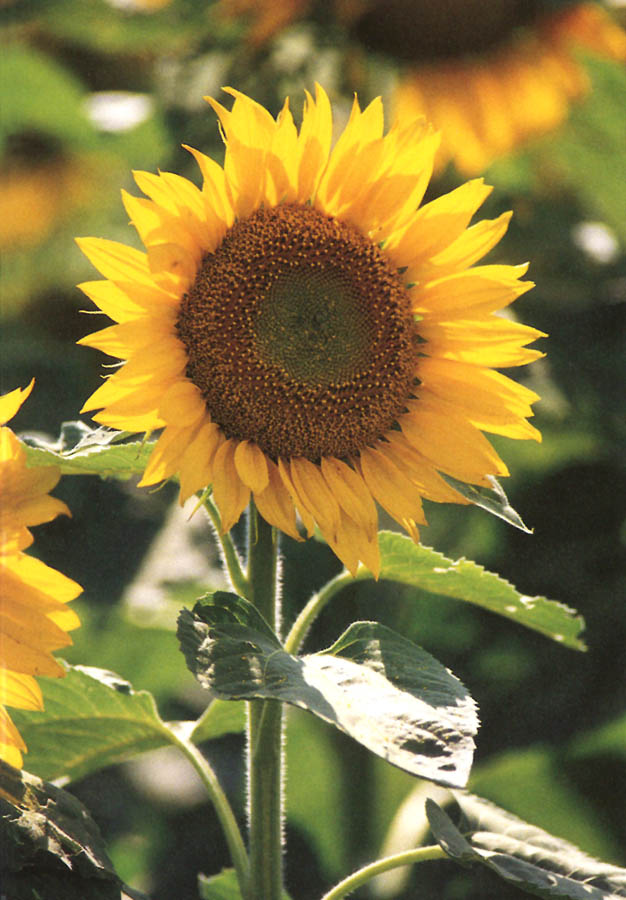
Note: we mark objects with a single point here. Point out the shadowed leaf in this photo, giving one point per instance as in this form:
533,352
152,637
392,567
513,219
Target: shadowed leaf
522,854
49,845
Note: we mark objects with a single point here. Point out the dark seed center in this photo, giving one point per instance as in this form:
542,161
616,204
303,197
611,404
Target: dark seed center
300,335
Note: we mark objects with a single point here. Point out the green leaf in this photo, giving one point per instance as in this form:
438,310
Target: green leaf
92,718
219,887
218,719
522,854
222,887
82,450
493,501
373,684
421,567
49,845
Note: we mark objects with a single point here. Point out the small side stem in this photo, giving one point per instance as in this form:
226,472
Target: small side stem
313,608
361,876
231,557
223,809
265,753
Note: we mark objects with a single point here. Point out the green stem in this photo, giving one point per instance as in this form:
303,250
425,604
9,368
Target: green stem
265,754
231,557
313,608
222,807
361,876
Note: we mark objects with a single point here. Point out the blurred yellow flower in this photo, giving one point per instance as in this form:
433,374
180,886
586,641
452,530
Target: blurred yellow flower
489,76
490,102
305,332
34,618
36,197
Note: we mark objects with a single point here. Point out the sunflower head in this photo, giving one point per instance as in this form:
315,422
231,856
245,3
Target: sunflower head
306,332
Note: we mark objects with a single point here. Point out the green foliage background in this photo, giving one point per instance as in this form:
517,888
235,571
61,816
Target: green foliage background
552,746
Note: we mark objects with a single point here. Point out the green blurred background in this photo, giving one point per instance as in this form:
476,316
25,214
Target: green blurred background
92,89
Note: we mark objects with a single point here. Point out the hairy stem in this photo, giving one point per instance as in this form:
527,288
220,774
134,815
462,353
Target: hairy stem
229,551
265,755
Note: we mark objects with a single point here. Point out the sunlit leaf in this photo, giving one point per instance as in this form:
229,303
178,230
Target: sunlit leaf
526,856
93,718
378,687
421,567
82,450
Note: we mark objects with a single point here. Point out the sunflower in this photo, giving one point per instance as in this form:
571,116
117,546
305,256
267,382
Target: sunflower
305,333
34,619
492,90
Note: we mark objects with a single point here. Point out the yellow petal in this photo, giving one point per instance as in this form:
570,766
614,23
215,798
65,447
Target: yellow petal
390,487
437,224
231,494
11,402
352,494
274,503
314,493
37,633
488,342
116,261
182,404
314,142
452,444
305,515
167,454
196,465
251,465
10,740
19,691
19,657
114,302
475,292
40,577
352,544
419,470
174,261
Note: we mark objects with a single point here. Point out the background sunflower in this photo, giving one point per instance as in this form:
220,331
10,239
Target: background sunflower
567,195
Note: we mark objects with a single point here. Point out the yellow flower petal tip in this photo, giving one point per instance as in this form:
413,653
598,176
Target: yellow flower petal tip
314,348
